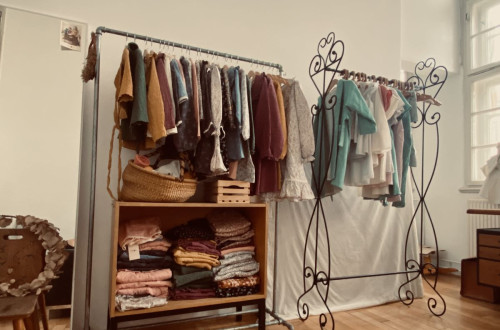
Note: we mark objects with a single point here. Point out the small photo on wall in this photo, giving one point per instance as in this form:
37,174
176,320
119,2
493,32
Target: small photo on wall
70,36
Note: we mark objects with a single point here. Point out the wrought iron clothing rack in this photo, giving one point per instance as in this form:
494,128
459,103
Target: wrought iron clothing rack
427,78
99,32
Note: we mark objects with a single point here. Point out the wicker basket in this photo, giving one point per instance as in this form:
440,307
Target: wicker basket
140,185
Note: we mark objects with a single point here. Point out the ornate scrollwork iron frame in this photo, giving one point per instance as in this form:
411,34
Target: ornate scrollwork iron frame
322,70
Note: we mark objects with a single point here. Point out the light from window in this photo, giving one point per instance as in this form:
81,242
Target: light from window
485,33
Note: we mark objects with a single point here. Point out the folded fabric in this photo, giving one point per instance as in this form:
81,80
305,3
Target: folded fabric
125,303
232,245
195,229
151,284
208,247
239,270
235,292
138,231
243,237
160,244
239,282
207,283
237,249
127,276
141,291
227,222
235,258
181,279
144,255
144,265
195,259
188,293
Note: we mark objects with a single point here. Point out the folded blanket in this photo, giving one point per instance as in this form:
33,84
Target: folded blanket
145,255
151,284
184,294
160,244
239,282
231,245
182,279
228,222
127,276
195,259
239,270
145,264
235,292
243,237
237,249
235,258
125,303
141,291
194,229
138,231
208,247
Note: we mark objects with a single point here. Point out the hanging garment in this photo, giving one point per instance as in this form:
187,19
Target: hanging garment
268,134
491,186
216,163
246,168
156,113
205,148
186,138
228,118
233,132
200,96
168,105
196,102
178,88
404,122
133,114
251,116
300,144
335,147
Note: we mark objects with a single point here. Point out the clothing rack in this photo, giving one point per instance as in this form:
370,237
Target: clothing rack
325,64
90,242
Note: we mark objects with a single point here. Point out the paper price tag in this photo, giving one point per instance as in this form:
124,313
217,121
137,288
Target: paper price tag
133,252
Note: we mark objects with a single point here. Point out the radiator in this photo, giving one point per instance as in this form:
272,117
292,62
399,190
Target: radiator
477,221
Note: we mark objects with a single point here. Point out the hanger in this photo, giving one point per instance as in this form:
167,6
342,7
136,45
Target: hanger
427,99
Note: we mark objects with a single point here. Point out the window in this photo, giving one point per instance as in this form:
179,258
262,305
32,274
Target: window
482,83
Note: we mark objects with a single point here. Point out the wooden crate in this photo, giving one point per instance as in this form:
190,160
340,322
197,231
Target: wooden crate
229,191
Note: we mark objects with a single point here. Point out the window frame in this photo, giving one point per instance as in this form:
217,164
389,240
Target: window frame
470,77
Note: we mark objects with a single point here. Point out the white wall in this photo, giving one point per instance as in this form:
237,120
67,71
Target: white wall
279,31
40,120
433,29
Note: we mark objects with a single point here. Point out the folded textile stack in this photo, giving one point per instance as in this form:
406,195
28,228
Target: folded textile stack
194,245
238,286
192,283
143,265
234,237
142,289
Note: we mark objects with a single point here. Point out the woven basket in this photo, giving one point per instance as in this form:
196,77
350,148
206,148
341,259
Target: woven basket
140,185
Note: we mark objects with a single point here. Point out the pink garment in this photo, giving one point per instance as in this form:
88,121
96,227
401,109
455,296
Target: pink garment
127,276
138,231
237,249
156,292
151,284
160,245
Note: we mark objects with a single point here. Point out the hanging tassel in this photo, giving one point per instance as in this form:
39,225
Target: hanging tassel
88,71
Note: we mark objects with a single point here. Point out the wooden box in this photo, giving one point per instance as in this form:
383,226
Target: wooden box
470,287
228,191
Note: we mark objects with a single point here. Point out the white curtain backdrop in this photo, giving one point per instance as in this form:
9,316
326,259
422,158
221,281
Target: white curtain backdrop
365,238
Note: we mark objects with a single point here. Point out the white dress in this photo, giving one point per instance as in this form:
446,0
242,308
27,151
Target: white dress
491,187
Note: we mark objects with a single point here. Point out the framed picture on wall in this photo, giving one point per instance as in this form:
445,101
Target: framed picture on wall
70,36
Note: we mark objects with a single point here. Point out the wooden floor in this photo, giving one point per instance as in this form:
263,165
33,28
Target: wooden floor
461,314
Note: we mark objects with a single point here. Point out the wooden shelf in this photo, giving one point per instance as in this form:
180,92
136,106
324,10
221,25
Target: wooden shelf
174,214
184,304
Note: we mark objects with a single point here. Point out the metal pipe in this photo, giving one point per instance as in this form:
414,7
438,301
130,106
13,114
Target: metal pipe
279,319
193,319
369,275
189,47
249,326
90,239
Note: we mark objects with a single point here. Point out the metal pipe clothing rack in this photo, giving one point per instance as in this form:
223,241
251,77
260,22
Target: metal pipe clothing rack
427,77
99,32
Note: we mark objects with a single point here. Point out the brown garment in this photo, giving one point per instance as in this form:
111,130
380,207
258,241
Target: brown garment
268,135
168,105
281,107
156,114
239,282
